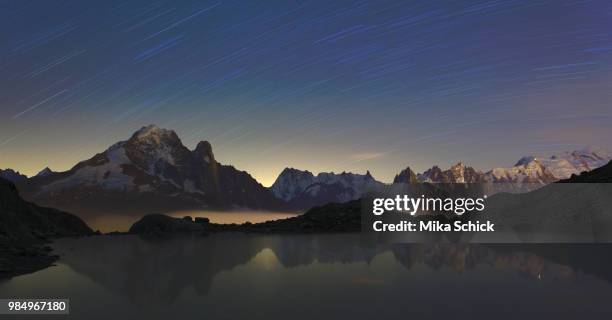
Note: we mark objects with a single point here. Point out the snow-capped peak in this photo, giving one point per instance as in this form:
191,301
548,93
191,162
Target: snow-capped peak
153,148
544,170
153,164
149,130
147,154
153,133
292,183
563,165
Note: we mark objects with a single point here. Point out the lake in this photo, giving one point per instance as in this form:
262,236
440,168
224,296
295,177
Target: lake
238,276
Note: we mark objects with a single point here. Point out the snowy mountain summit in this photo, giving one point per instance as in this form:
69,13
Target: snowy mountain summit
563,165
151,170
546,170
301,189
531,170
458,173
291,182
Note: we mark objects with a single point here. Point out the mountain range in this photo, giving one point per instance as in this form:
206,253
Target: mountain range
302,190
528,170
153,171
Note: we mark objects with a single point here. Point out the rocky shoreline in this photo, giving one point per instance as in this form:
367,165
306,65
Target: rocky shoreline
26,230
23,258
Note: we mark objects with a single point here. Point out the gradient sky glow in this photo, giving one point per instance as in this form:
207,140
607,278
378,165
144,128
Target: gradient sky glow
317,85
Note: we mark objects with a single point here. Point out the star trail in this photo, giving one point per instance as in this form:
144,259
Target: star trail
317,85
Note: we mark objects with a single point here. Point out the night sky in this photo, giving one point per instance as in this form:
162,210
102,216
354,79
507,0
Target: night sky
317,85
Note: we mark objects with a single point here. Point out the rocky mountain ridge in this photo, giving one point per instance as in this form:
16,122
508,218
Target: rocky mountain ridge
303,190
301,187
528,170
152,170
13,176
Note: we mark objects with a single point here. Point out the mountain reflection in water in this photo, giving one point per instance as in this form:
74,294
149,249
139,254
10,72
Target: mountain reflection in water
324,276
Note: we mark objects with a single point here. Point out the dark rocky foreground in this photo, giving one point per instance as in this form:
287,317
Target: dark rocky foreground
25,228
18,258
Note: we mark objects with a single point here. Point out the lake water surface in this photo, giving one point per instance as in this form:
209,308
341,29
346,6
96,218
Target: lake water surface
237,276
